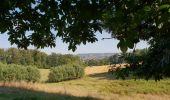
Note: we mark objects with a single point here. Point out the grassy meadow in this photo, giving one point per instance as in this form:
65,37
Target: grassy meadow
97,84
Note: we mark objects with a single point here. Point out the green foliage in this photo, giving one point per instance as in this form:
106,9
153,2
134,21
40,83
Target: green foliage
36,58
18,73
79,70
116,59
69,19
33,74
151,63
66,72
59,59
135,20
140,65
121,73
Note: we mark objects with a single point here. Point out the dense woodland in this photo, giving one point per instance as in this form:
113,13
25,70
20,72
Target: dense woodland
36,58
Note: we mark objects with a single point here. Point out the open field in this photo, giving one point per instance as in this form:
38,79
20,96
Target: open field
96,70
97,85
44,74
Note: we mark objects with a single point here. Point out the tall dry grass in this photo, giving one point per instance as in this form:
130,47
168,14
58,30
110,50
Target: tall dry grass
78,91
64,89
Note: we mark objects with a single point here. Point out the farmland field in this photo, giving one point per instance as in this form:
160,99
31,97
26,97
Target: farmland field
97,84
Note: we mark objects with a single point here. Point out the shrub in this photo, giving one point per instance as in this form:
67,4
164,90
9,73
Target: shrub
65,72
1,74
79,71
8,74
33,74
56,75
18,73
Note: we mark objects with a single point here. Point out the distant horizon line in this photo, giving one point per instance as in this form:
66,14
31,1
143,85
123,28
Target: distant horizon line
41,50
61,53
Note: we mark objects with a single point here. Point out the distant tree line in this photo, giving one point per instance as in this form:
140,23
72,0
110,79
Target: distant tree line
118,58
36,58
114,59
96,62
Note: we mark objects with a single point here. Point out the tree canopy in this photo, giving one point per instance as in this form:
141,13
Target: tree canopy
39,22
37,58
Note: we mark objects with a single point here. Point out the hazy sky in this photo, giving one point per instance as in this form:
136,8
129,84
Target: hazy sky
101,46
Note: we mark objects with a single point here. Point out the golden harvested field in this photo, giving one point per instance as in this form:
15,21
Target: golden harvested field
99,69
96,70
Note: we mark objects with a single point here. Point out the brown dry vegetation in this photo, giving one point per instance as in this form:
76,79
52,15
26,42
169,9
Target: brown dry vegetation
75,89
96,69
100,69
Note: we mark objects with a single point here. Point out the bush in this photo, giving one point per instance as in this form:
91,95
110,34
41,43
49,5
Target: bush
33,74
14,73
65,72
18,73
79,71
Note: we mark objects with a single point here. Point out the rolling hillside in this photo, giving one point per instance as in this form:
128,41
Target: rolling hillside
86,56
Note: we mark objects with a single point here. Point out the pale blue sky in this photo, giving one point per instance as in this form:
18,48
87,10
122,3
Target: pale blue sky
101,46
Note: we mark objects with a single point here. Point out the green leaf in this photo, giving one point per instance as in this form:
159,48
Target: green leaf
3,30
130,44
122,45
123,48
164,6
147,8
169,10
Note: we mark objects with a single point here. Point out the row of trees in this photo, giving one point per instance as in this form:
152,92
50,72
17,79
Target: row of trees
97,62
117,58
35,57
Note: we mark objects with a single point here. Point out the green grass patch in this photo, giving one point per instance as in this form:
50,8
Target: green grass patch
44,74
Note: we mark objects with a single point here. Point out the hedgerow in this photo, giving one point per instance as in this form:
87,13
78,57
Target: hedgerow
18,73
66,72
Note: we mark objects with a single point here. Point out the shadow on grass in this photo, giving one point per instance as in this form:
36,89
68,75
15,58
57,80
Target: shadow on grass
101,76
110,76
11,93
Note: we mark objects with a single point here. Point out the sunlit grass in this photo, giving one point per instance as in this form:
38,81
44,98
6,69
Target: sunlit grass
98,86
124,87
110,86
44,74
